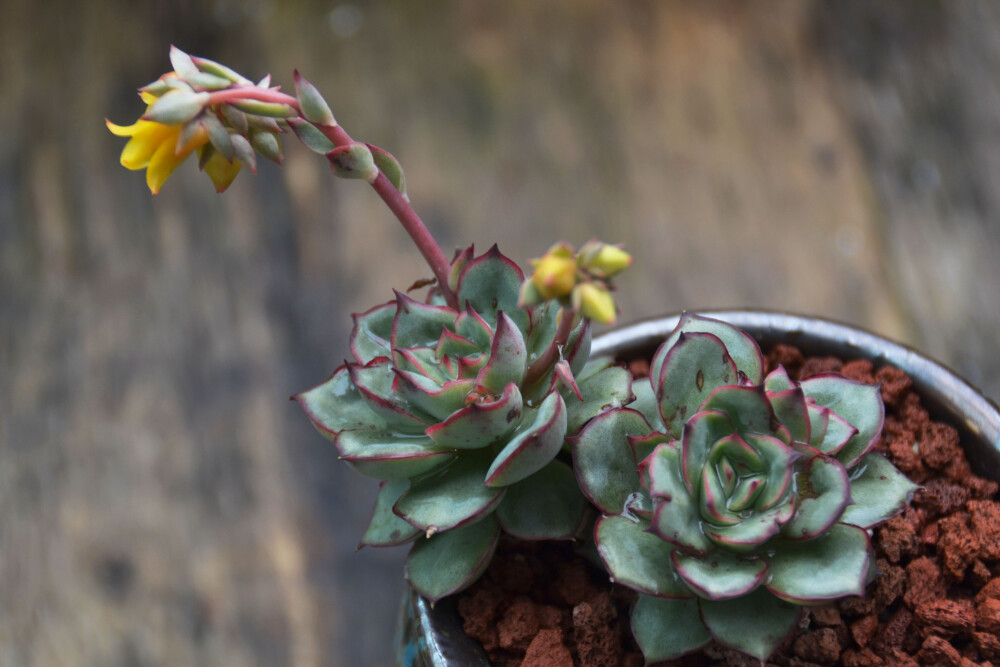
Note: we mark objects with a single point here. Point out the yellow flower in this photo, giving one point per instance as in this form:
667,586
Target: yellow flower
554,276
157,148
594,301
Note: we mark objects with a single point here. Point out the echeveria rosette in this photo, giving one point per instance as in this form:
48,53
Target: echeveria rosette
730,499
436,404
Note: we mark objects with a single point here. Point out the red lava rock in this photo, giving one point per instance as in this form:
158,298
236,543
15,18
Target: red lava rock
924,583
816,365
889,585
988,645
860,370
940,497
639,368
785,355
939,445
895,385
989,591
897,538
478,610
515,573
826,615
596,642
519,625
945,618
892,635
864,630
984,517
978,487
856,606
821,646
548,650
978,575
988,616
549,616
899,449
957,545
574,585
937,651
863,658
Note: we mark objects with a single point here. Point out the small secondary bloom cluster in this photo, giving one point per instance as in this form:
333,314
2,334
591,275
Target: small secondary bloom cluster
579,279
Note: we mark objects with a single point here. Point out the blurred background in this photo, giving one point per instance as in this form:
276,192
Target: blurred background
162,503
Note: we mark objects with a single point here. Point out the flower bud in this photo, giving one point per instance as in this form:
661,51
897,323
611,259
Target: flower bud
353,161
608,261
555,275
594,302
267,144
314,107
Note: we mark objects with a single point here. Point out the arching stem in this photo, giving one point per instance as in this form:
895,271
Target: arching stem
392,197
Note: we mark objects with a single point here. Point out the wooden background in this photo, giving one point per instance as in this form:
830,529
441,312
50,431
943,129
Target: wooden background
161,503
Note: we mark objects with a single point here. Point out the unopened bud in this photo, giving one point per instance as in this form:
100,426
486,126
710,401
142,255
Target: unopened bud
594,302
219,136
608,261
182,62
267,144
389,165
244,151
554,276
314,107
353,161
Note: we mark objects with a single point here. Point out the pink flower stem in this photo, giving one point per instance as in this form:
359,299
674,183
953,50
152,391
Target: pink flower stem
392,197
550,356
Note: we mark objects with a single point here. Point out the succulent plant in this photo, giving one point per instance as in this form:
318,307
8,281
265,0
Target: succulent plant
442,405
731,499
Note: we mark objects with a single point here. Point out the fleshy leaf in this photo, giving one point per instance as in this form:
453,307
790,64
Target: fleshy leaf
755,623
747,407
470,325
696,365
545,506
388,456
858,403
719,575
439,401
879,492
508,356
492,282
667,629
449,562
389,165
701,432
824,492
778,381
790,409
779,458
577,348
645,402
452,498
636,558
675,512
606,390
385,528
831,566
603,460
419,324
837,435
336,406
533,448
375,383
480,424
743,349
753,531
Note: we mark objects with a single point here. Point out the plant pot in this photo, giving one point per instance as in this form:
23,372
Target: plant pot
433,636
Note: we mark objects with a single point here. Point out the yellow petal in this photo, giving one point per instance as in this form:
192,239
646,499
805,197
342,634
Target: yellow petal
123,130
161,165
148,98
222,171
197,140
145,142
